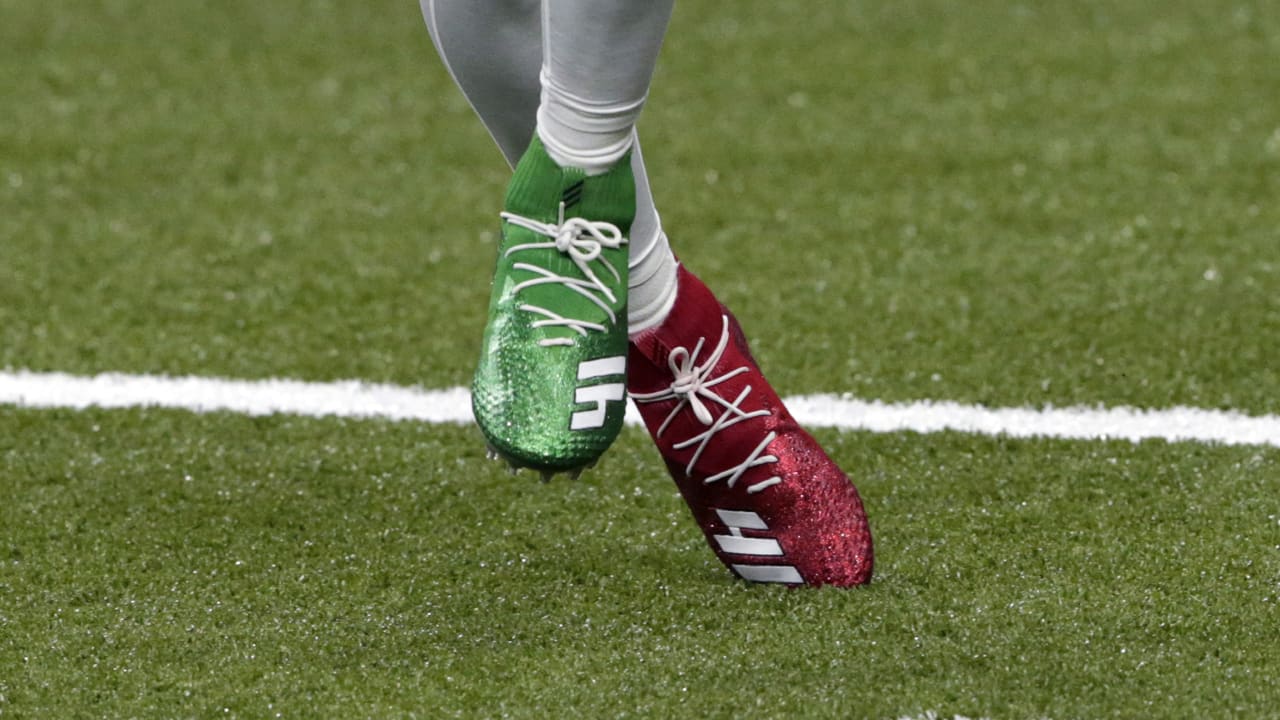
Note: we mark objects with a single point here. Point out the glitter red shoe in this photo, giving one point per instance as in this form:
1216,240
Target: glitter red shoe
772,505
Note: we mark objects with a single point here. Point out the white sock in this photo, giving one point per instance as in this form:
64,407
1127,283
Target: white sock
581,133
651,284
598,58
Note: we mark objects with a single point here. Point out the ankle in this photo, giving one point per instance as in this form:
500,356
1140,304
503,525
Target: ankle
592,135
652,292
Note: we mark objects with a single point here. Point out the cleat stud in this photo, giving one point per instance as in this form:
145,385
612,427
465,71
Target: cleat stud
547,475
575,474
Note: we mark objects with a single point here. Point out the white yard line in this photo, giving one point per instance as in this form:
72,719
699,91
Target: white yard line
346,398
353,398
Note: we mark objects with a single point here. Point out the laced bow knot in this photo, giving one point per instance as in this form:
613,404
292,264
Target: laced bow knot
582,241
691,386
688,383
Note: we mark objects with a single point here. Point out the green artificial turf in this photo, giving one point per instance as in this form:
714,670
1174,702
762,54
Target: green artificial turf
169,565
161,564
993,202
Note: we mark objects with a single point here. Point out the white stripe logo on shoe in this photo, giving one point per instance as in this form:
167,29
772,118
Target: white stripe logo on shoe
737,521
600,395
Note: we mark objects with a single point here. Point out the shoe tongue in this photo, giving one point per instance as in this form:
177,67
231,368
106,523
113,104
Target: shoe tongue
540,185
536,191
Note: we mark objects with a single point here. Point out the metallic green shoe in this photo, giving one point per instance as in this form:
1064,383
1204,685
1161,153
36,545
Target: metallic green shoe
550,389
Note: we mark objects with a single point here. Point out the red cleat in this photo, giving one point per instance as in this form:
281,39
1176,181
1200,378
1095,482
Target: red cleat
773,506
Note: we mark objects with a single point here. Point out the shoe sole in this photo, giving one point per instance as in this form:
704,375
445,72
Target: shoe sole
514,465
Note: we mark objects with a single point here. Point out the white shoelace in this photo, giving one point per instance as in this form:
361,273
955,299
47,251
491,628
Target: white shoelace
693,386
582,240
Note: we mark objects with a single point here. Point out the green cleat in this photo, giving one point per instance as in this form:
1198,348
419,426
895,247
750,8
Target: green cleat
550,389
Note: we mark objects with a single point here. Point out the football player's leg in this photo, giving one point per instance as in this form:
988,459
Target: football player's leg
493,50
548,391
598,62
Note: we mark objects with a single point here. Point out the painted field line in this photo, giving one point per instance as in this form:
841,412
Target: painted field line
346,398
353,398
